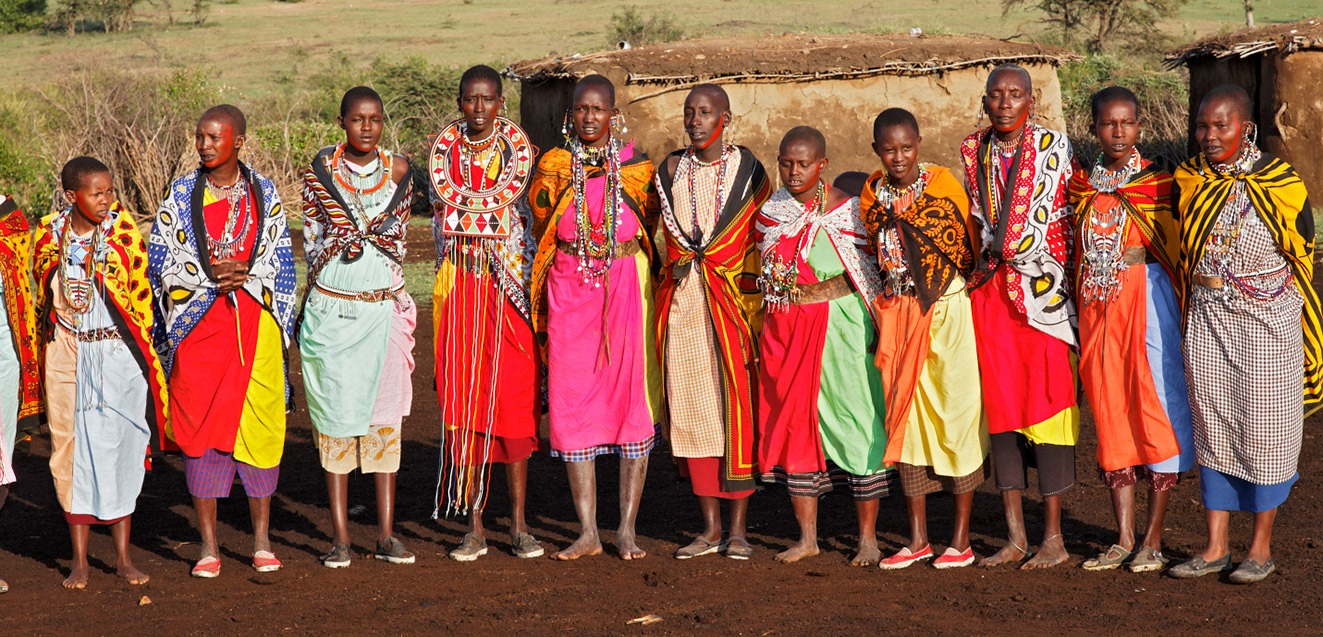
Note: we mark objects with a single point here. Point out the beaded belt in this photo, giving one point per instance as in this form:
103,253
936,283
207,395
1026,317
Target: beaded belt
91,336
822,291
626,249
367,296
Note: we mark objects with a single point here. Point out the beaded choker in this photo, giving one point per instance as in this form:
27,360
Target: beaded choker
237,220
1104,180
340,168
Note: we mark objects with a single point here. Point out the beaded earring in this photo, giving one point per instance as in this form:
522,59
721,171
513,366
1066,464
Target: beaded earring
1252,135
565,127
978,122
618,125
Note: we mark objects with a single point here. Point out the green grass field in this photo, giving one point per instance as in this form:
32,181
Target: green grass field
251,44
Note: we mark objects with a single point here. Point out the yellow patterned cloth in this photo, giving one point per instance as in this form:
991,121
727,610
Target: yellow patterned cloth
378,451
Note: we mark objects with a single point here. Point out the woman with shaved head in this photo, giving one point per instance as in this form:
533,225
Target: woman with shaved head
1254,342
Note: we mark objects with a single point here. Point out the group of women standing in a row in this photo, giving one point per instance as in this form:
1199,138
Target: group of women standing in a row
875,336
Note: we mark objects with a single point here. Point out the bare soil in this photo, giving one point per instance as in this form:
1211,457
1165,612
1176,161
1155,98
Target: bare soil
500,594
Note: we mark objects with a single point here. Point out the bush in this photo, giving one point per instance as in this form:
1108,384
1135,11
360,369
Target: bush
1163,102
21,15
628,25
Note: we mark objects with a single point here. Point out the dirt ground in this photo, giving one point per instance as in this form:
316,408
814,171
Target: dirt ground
500,594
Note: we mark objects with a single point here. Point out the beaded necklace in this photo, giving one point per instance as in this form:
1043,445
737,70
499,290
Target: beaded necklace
1226,232
692,170
897,277
595,245
340,168
476,158
77,290
1103,239
233,234
780,277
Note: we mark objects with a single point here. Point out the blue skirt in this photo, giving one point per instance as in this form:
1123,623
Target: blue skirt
1223,492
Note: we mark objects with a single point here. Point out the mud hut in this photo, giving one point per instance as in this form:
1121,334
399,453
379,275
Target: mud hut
837,83
1281,66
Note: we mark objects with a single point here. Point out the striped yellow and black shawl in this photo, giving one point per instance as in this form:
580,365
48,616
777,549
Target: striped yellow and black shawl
1279,197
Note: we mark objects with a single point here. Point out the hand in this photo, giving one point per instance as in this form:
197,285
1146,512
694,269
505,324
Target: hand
230,274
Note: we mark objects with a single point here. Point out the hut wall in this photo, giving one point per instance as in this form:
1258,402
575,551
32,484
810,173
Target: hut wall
946,106
1287,105
542,108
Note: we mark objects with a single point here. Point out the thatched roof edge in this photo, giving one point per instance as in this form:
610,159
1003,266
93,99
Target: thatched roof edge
1306,35
965,52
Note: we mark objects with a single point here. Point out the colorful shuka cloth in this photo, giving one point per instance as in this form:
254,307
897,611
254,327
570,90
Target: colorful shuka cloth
104,386
1252,343
708,307
926,350
1024,316
820,407
225,356
20,371
1130,318
486,357
595,314
356,329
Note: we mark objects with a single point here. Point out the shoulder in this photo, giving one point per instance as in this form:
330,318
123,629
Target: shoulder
400,168
182,186
671,162
555,162
972,140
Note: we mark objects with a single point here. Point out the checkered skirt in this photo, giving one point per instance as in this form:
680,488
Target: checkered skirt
1244,362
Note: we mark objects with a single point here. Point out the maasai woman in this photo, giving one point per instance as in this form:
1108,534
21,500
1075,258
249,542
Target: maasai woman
223,273
356,329
1130,327
1254,329
1024,318
105,391
916,215
594,210
821,421
486,358
20,376
707,310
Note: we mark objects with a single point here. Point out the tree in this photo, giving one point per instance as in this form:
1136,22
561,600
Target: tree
1099,24
1249,13
21,15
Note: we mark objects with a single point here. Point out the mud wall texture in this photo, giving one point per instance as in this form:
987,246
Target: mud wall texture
1288,106
946,106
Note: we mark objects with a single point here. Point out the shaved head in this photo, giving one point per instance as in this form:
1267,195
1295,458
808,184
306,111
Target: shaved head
718,95
1011,68
1232,94
808,136
230,115
596,83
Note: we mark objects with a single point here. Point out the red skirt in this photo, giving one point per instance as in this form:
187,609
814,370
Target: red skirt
704,474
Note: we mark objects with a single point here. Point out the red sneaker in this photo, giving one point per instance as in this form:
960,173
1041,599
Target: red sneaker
265,562
952,558
905,557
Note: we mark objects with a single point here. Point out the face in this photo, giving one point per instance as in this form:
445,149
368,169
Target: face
1117,129
363,124
93,197
898,148
480,101
1219,129
800,164
704,119
591,113
217,142
1008,100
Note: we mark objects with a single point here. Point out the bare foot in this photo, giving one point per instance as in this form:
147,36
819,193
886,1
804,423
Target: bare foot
584,546
629,549
77,578
798,552
1051,553
868,555
1008,554
130,573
